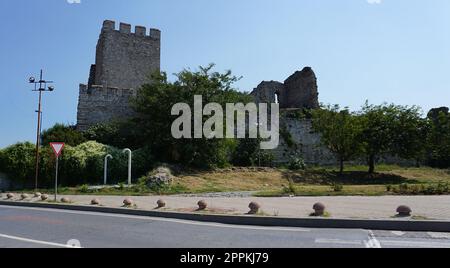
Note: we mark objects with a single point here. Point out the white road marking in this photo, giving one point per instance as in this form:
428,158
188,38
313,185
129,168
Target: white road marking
219,225
415,244
398,233
439,235
37,241
338,241
372,242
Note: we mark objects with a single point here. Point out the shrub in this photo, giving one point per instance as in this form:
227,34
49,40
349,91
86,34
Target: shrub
18,161
338,187
83,164
290,189
296,162
440,188
63,133
84,189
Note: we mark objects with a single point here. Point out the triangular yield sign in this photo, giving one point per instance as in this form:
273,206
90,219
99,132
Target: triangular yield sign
57,147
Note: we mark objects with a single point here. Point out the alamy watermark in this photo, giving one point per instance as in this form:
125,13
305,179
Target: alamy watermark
240,119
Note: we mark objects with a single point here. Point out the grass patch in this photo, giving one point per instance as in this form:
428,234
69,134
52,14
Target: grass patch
268,182
326,214
314,190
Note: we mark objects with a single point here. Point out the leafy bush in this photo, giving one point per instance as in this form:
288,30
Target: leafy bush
84,189
290,189
296,162
63,133
18,161
440,188
83,164
337,187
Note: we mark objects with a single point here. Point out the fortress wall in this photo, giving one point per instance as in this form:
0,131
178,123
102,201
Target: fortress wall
307,143
98,104
124,61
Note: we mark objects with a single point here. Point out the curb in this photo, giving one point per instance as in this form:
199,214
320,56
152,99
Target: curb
389,225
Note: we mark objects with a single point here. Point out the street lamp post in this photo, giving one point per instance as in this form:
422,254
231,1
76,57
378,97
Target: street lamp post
39,86
129,164
106,168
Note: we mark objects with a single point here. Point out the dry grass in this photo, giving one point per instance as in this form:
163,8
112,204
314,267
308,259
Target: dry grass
282,182
274,182
228,181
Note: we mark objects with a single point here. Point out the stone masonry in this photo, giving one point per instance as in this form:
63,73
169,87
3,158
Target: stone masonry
299,91
124,62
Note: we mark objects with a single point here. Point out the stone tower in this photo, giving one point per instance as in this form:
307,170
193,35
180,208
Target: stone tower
124,61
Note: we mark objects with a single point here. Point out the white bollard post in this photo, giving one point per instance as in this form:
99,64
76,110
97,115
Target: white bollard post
105,178
129,164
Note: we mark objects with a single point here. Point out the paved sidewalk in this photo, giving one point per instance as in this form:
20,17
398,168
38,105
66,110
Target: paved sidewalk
384,207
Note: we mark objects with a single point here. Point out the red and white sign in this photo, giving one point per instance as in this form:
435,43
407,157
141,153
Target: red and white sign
57,147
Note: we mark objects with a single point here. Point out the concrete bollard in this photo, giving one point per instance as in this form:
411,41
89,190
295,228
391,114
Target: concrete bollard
202,205
161,203
404,211
319,209
128,202
254,208
65,200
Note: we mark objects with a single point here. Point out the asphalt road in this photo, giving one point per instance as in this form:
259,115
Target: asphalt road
42,228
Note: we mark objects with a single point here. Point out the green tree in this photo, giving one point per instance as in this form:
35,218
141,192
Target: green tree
439,138
120,134
391,130
153,105
62,133
339,131
18,161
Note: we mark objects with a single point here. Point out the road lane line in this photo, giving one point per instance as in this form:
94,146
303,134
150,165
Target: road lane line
397,233
372,242
338,241
439,235
36,241
415,244
218,225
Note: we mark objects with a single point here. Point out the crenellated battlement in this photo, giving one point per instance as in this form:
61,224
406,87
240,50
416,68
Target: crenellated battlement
125,28
124,60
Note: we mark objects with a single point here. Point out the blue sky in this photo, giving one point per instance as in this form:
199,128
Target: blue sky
389,50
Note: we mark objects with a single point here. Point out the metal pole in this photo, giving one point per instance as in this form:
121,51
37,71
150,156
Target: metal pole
56,178
38,135
129,164
259,156
42,87
105,178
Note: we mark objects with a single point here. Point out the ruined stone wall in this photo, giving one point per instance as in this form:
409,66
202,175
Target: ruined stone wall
299,91
124,62
306,143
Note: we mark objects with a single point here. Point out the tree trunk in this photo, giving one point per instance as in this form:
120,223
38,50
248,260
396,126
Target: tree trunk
371,164
341,166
